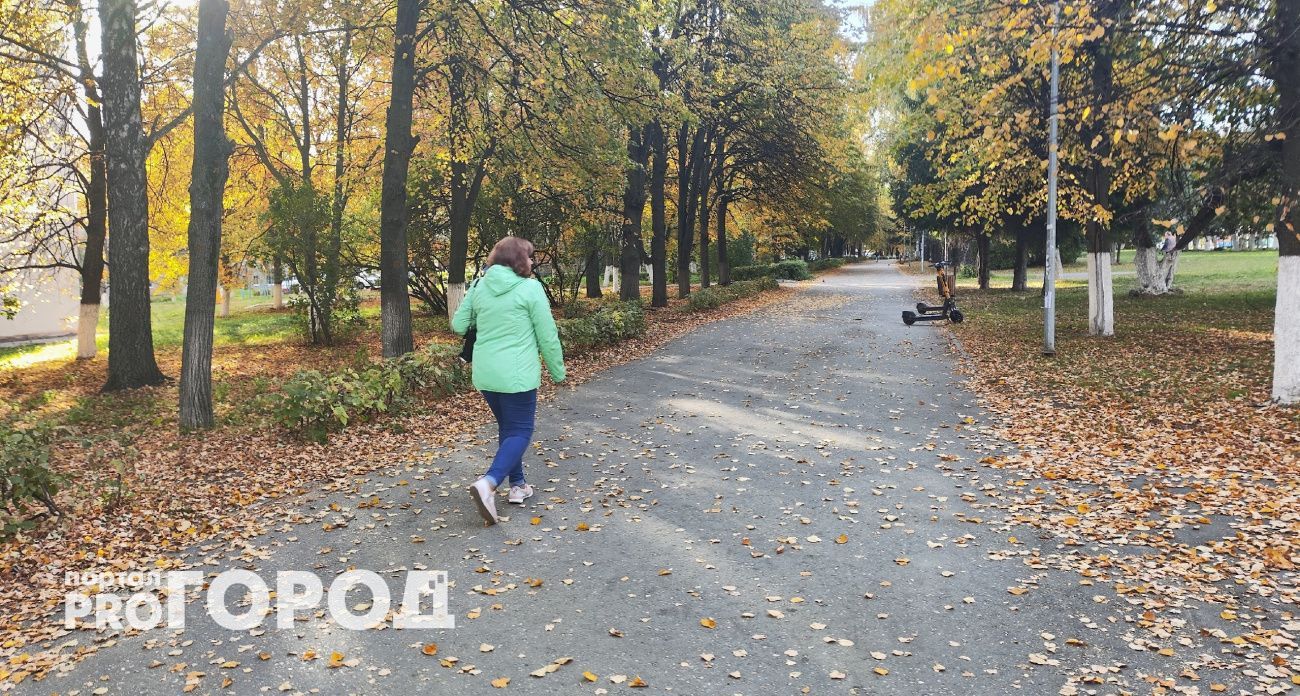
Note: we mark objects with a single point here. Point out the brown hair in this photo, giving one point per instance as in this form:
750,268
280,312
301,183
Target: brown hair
512,252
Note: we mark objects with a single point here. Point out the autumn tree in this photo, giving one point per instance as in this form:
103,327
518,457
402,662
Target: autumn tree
395,302
207,192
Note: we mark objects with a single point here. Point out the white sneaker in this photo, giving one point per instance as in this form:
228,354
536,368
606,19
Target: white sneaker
518,494
485,500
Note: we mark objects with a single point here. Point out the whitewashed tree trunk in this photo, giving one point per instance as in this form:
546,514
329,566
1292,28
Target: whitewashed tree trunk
225,301
1150,281
87,321
455,293
277,296
1155,275
1101,297
650,273
1286,332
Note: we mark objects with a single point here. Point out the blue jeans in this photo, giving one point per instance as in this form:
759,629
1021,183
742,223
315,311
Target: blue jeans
515,414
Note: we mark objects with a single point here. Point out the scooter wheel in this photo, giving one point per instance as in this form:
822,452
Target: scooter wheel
920,308
909,318
955,316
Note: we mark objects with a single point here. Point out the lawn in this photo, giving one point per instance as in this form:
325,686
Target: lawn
1197,270
251,321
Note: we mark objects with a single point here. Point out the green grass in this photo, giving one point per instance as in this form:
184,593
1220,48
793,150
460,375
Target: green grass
1217,271
1223,294
251,322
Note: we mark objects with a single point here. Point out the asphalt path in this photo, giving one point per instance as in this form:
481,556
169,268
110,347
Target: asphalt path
790,501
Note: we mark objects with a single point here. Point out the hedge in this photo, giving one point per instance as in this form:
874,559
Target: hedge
611,323
790,269
313,403
718,295
825,265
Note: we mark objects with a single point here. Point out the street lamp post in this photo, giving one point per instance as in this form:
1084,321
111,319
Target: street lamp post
1049,279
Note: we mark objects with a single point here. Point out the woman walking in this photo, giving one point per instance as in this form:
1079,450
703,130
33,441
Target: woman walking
512,316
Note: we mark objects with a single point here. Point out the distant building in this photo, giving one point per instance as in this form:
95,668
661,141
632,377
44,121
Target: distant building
49,302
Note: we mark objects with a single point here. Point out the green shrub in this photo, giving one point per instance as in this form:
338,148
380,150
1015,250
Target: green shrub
793,269
345,318
790,269
610,323
718,295
825,265
25,476
313,403
767,270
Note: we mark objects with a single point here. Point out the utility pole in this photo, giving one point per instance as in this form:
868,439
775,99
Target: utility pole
1049,279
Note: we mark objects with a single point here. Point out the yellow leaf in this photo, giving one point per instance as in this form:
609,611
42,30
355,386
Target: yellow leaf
842,539
637,683
500,683
1210,6
535,520
582,527
881,671
430,649
708,622
590,676
1083,508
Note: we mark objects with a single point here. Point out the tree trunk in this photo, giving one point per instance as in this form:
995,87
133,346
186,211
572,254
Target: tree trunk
687,186
92,264
394,300
461,204
1101,293
982,243
277,281
1286,317
724,267
207,190
704,236
334,280
713,171
131,360
658,221
1020,276
593,274
633,210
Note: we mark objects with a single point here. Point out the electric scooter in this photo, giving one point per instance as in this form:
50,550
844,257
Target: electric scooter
947,310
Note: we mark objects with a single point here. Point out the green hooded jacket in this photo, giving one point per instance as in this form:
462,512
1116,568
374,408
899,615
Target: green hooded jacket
514,323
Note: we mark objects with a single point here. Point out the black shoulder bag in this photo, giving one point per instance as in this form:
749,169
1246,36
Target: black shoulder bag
471,334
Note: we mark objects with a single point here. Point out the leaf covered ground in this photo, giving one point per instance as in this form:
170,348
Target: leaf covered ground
1158,458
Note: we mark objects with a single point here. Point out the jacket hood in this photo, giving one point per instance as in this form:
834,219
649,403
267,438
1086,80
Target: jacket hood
500,280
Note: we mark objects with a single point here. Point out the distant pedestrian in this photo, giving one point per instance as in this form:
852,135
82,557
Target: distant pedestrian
513,319
1169,243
